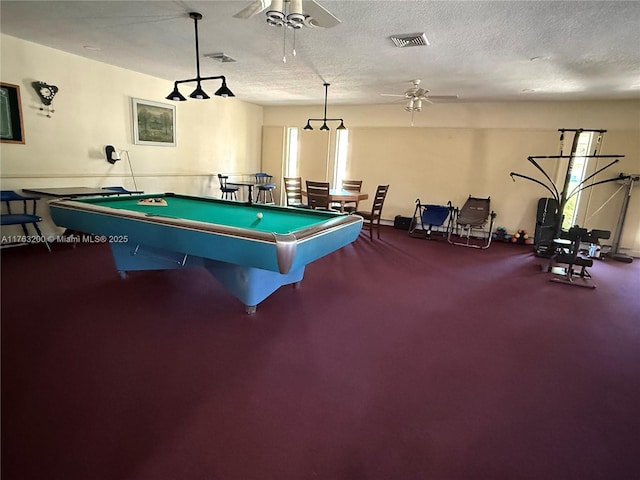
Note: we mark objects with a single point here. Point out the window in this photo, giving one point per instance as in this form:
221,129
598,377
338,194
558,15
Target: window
291,153
577,175
342,144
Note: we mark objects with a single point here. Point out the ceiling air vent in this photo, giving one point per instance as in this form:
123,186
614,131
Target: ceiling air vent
220,57
410,40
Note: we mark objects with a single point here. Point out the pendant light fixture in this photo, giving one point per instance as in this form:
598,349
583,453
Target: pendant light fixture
199,93
324,120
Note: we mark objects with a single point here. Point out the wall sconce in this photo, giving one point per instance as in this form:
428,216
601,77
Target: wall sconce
112,154
324,120
199,93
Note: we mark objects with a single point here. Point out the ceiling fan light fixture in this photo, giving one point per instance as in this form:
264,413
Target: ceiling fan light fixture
295,12
276,12
409,107
275,23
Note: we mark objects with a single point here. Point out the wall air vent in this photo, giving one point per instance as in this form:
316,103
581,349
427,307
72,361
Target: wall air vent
219,57
410,40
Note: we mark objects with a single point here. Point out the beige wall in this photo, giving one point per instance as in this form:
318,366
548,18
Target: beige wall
452,150
456,150
93,109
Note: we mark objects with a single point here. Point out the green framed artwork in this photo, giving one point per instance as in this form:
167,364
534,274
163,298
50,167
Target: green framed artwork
11,127
153,123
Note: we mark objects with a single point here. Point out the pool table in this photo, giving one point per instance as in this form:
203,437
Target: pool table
252,249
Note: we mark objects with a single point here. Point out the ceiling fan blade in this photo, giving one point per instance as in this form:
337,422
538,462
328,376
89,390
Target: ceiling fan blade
392,95
318,16
442,97
252,9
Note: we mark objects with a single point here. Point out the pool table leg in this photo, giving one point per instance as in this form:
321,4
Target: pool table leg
248,284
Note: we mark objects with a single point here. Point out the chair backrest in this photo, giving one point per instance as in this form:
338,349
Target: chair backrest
475,211
263,178
223,180
352,185
318,194
8,196
293,190
378,200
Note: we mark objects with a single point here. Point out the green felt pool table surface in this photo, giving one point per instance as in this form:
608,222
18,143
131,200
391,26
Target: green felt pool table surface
210,210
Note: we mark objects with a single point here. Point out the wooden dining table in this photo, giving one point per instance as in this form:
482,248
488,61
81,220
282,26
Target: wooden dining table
338,195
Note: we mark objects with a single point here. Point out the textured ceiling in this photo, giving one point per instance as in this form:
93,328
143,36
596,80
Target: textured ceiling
480,51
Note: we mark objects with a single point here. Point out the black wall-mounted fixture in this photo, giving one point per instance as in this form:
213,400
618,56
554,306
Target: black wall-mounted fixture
46,93
199,93
324,120
112,154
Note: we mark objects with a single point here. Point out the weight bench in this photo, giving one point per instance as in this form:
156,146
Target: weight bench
568,252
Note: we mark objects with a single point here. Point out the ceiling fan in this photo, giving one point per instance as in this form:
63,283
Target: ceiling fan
416,95
292,13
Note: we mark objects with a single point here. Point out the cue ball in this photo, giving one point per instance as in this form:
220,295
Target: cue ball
259,215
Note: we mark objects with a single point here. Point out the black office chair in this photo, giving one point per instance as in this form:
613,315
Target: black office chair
229,193
24,218
265,188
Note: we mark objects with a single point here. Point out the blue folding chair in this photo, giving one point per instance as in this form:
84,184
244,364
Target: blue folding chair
426,217
23,218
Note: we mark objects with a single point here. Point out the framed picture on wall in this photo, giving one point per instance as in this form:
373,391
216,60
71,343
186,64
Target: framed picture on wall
153,123
11,127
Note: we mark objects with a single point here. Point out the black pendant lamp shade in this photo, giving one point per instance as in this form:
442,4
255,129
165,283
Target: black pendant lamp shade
176,96
199,93
324,120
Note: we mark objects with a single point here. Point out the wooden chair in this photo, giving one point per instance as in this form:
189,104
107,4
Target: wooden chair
265,188
373,217
229,193
293,191
24,218
318,195
351,186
